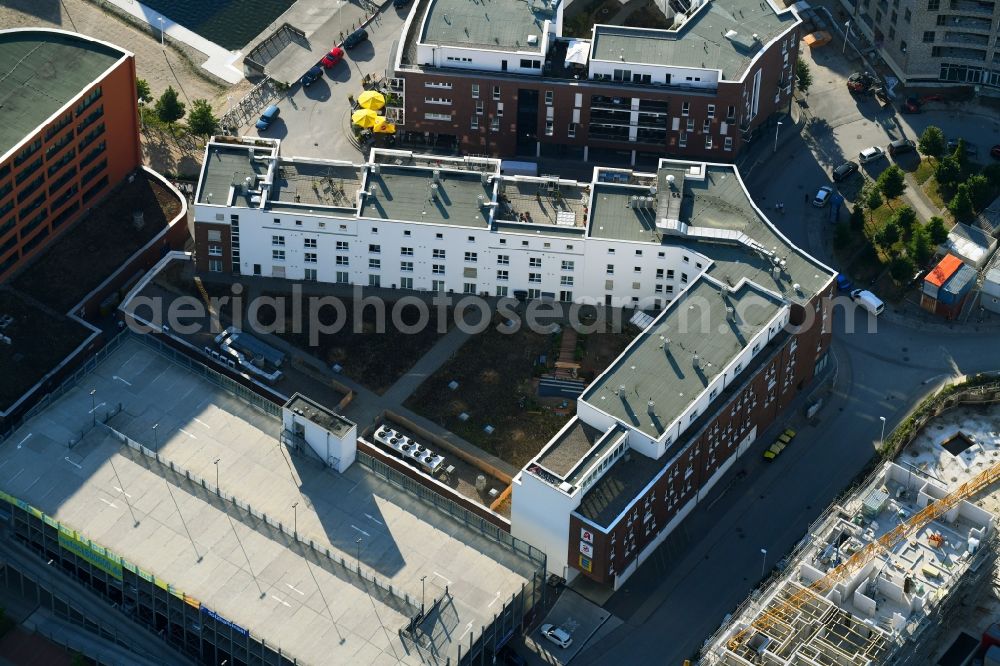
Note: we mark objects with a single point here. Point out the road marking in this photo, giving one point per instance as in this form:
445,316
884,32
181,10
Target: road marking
202,422
121,380
375,519
111,504
361,530
25,439
441,577
72,463
121,491
98,406
294,589
187,433
495,599
281,601
16,475
468,628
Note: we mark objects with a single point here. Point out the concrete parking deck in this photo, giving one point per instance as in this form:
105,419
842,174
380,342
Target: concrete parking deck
249,574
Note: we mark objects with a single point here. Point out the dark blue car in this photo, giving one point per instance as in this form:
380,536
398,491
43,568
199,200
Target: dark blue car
310,77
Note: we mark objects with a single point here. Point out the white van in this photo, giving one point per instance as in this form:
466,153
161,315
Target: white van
868,301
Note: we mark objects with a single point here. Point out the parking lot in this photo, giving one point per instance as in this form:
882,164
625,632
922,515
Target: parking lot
314,121
578,617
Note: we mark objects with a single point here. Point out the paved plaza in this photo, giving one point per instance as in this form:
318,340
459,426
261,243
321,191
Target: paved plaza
248,572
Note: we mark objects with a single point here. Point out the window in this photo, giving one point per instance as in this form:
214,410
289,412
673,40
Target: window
471,239
687,259
567,265
342,277
499,109
437,116
471,257
706,127
894,17
374,280
309,242
439,236
480,105
933,5
215,265
929,37
446,101
907,15
611,269
437,269
731,113
375,264
727,143
215,235
406,266
311,258
278,240
902,46
637,269
503,259
502,290
374,249
496,92
549,128
611,250
708,141
682,140
215,250
534,277
548,97
474,122
690,124
711,111
684,278
685,108
566,280
527,63
278,255
342,246
494,124
310,275
342,260
571,130
437,254
475,91
502,275
535,262
406,251
406,283
437,84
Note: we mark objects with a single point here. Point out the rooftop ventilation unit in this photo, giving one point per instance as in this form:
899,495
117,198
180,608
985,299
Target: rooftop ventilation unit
730,34
532,40
621,389
651,407
436,175
731,313
696,360
376,169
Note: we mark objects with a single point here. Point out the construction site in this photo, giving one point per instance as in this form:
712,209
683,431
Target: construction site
883,575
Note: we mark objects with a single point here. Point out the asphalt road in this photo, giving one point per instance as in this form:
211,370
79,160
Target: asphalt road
313,119
701,573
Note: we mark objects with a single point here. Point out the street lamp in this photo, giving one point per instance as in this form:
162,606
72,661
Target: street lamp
763,562
218,490
295,518
776,130
359,554
881,439
156,444
93,405
847,36
160,19
422,579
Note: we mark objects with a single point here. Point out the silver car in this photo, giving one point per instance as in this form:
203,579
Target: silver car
557,635
822,196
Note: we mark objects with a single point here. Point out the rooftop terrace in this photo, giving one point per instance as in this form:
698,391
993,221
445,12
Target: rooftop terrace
538,202
680,354
417,195
618,487
305,184
700,42
40,71
501,25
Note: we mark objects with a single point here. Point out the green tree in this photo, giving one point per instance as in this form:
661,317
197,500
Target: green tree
803,76
948,171
142,91
858,217
932,142
888,235
992,173
201,120
901,268
905,217
961,204
169,108
979,191
936,231
891,182
921,249
960,154
871,196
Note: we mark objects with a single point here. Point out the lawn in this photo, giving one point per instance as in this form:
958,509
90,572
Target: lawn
85,255
495,373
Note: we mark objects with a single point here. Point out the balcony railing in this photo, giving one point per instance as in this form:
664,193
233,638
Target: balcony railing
956,53
973,6
966,38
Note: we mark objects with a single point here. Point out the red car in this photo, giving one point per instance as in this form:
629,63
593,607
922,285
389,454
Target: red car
335,55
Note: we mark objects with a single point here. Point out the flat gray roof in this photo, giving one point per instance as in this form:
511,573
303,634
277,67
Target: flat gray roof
412,195
317,611
567,450
699,43
225,166
308,183
40,71
613,218
319,415
618,488
501,25
660,366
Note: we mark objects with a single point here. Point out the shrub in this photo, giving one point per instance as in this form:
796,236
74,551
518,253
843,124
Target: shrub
961,204
901,269
936,230
892,182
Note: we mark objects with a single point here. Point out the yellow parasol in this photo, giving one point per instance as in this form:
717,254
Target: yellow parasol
371,99
365,118
383,126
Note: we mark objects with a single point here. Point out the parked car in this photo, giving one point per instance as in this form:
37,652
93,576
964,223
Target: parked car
310,77
995,152
335,55
970,148
822,196
355,38
868,301
267,118
557,635
901,147
910,105
844,171
861,82
870,154
843,282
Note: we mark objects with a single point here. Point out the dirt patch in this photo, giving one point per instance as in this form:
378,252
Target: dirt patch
85,255
496,375
40,339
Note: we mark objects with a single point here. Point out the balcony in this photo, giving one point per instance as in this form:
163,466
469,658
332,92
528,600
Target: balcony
965,22
616,117
957,53
973,6
966,38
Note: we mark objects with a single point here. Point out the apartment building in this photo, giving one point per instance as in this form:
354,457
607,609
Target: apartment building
934,42
60,92
716,367
500,79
